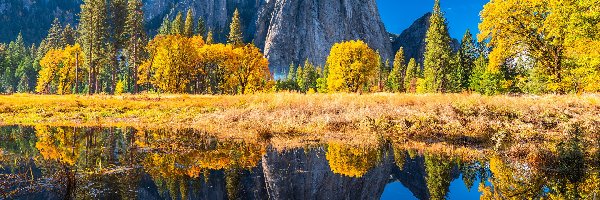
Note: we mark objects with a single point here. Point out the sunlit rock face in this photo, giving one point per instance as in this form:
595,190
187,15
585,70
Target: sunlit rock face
293,31
300,174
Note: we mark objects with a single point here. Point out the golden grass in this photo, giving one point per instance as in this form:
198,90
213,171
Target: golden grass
456,119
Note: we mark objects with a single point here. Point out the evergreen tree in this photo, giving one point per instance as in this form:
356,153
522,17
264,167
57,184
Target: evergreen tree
118,13
209,38
395,81
322,86
93,38
235,30
165,27
69,35
437,52
309,76
188,29
16,56
136,37
200,28
412,74
177,25
466,58
54,38
300,78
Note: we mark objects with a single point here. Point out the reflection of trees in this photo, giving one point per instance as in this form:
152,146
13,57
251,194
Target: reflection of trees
399,157
438,169
177,160
352,161
571,175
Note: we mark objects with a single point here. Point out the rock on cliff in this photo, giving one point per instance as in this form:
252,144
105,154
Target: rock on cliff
300,174
296,30
413,40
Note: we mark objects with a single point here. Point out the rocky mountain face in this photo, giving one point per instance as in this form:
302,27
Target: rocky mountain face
289,31
413,40
293,31
33,18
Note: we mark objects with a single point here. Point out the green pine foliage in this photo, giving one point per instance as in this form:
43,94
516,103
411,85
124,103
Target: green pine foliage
236,37
412,74
437,52
177,25
188,29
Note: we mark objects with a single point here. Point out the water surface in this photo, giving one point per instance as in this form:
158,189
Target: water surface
125,163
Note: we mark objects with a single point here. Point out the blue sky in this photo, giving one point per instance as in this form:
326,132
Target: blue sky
398,15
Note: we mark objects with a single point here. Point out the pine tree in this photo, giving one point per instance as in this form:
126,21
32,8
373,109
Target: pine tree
300,78
209,38
467,55
309,76
235,30
54,38
93,38
437,52
177,25
200,28
188,29
412,74
165,27
136,37
118,13
69,35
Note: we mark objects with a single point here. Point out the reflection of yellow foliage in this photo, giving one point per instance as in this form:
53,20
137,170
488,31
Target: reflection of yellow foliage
194,162
510,183
53,144
351,161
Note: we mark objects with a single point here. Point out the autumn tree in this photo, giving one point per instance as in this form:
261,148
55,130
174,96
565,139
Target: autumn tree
236,38
213,61
437,52
173,62
60,70
248,71
556,35
351,65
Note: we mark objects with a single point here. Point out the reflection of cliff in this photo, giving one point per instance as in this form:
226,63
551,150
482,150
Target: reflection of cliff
305,174
414,174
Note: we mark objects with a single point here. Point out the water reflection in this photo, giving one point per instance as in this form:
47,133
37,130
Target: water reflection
125,163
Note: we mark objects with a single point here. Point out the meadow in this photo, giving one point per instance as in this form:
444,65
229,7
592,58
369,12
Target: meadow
454,119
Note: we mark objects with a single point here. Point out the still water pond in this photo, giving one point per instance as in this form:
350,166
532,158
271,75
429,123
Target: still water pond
124,163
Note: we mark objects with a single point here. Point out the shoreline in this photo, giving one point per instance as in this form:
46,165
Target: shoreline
459,119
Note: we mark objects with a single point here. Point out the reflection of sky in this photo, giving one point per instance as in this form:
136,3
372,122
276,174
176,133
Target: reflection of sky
396,190
458,191
398,15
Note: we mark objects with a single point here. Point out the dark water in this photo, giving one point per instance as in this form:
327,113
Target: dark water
124,163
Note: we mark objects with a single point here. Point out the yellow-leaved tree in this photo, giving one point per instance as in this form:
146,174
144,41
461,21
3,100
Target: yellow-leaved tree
61,70
173,63
561,37
248,71
351,65
213,59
